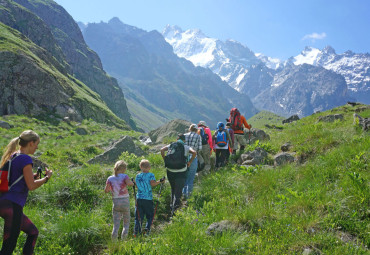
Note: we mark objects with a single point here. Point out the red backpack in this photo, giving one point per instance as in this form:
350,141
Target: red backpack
5,175
236,122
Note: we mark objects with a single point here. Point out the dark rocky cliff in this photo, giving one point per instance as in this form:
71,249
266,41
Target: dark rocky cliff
84,63
30,84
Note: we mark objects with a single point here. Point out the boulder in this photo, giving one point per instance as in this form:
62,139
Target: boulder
307,251
5,125
169,130
256,157
218,228
363,122
81,131
362,108
112,154
256,134
145,140
330,118
283,158
286,146
292,118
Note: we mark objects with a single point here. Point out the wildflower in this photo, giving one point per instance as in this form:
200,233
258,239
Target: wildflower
259,230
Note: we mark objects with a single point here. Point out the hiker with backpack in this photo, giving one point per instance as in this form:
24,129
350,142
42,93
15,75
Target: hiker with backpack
221,140
231,132
193,140
117,185
207,145
144,182
238,122
176,162
17,179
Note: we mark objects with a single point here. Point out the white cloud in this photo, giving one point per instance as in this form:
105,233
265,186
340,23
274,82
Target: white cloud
314,36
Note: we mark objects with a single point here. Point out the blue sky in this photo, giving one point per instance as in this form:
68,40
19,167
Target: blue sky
276,28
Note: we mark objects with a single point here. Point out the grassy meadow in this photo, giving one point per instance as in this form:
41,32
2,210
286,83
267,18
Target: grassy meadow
319,204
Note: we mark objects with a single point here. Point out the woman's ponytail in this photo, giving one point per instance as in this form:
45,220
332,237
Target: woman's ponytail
9,150
22,140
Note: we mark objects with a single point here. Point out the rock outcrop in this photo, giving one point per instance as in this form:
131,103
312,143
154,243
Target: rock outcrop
256,157
169,130
4,124
113,153
363,122
256,134
292,118
283,158
330,118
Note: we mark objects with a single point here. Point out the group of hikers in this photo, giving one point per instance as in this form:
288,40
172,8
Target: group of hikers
181,162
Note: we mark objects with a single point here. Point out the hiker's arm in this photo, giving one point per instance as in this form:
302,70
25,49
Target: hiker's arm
245,122
31,183
229,138
194,154
154,183
129,182
163,150
108,187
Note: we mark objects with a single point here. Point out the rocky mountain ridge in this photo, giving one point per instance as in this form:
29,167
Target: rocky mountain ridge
257,75
50,27
354,67
230,59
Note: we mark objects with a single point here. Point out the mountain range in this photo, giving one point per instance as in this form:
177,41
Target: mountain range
159,85
259,76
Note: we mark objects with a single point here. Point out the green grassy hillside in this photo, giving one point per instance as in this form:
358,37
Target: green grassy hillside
264,117
319,203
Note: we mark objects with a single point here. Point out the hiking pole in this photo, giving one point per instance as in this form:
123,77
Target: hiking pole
159,195
137,208
39,172
249,136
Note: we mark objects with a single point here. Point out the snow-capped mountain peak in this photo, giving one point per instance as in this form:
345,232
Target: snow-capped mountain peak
308,56
272,63
354,67
229,59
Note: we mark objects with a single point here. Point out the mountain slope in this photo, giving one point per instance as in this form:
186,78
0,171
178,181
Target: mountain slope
84,64
32,85
145,64
303,90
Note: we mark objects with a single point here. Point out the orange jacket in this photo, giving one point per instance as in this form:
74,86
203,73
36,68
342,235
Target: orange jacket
244,121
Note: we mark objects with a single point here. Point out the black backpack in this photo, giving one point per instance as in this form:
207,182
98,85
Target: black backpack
204,136
177,159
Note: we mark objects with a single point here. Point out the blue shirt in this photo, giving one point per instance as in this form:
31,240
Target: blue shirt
144,189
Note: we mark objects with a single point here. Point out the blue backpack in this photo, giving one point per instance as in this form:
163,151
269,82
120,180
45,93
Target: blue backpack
221,138
204,136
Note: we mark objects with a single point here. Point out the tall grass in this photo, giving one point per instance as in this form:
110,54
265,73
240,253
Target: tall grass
321,202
